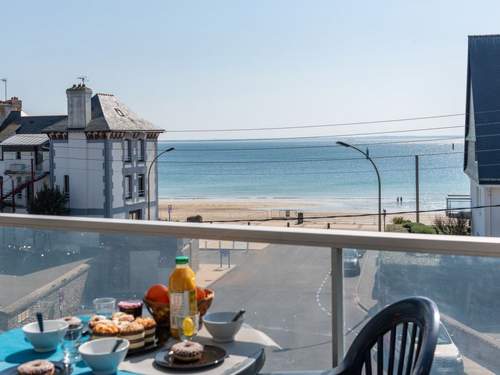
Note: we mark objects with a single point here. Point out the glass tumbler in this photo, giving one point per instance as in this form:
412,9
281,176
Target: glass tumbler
105,306
70,344
188,326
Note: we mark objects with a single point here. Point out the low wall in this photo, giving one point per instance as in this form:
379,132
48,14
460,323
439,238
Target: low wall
62,295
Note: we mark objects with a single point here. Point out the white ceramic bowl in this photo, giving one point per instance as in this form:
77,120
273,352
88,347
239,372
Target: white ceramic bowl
98,356
221,328
49,339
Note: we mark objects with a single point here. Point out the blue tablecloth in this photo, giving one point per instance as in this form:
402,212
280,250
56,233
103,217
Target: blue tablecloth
14,350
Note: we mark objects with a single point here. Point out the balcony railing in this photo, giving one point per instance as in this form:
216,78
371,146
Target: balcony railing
296,284
17,168
458,205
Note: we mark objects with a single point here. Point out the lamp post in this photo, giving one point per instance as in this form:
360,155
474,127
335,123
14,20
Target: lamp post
149,173
343,144
4,80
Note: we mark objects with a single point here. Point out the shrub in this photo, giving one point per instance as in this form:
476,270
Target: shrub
459,226
398,220
195,219
49,201
422,228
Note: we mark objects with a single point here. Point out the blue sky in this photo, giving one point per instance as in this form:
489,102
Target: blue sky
233,64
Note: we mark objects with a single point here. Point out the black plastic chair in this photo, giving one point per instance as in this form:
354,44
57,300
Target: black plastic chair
412,326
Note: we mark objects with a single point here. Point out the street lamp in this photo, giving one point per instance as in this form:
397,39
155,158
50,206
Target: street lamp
343,144
4,80
149,172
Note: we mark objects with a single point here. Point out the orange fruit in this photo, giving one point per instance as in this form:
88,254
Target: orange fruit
200,293
158,293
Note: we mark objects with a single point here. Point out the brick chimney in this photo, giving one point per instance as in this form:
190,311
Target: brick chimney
79,111
8,106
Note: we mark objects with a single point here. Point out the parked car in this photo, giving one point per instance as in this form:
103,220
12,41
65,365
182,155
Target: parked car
352,266
447,357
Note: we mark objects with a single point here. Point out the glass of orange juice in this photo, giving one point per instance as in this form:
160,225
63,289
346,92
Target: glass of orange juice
187,326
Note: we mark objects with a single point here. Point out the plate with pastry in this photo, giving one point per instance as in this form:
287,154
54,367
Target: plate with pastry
36,367
190,355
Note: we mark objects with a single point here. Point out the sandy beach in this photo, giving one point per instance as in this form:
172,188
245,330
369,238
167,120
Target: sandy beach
244,211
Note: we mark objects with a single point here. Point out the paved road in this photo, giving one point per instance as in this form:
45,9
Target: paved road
286,291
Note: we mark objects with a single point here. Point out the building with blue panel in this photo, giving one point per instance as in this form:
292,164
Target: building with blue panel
482,132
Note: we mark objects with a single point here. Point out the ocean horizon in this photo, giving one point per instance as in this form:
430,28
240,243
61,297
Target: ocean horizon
316,171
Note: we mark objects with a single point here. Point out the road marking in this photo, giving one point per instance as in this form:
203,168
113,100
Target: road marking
288,330
318,294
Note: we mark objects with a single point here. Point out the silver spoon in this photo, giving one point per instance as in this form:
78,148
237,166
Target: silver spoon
39,318
238,315
117,344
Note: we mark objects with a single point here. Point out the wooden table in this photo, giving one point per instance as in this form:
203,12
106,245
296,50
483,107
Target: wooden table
246,355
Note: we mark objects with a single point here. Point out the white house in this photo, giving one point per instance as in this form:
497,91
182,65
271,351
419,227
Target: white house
482,133
99,155
24,154
25,162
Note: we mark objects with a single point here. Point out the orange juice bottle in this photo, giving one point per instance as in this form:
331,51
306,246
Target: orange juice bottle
182,291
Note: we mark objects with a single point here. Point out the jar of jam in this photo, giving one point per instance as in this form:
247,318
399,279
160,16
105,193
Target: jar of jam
133,307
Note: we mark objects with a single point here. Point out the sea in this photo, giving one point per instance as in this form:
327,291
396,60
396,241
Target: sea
316,170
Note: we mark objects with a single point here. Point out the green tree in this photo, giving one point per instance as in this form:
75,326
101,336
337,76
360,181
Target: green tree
49,201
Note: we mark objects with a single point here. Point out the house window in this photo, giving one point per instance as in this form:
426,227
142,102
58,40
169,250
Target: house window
135,215
141,185
66,185
141,149
18,155
128,187
119,112
128,150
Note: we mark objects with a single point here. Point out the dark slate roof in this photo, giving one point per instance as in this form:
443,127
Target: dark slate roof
13,117
109,114
483,76
30,124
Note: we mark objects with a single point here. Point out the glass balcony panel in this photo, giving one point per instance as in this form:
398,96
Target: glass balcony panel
61,272
466,290
285,290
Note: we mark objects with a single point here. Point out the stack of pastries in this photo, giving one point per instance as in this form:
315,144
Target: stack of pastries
139,331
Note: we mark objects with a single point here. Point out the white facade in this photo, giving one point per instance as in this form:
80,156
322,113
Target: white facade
485,220
83,165
98,172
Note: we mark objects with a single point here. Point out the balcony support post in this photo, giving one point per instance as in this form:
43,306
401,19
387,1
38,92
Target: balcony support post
337,308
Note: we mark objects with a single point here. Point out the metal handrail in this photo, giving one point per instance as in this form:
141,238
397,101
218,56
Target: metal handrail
407,242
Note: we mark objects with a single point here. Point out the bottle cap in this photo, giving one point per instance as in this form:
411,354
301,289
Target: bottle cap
181,260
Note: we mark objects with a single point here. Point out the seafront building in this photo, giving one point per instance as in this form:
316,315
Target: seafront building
98,155
482,133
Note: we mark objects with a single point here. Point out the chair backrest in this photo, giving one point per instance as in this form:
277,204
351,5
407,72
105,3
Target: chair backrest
400,339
